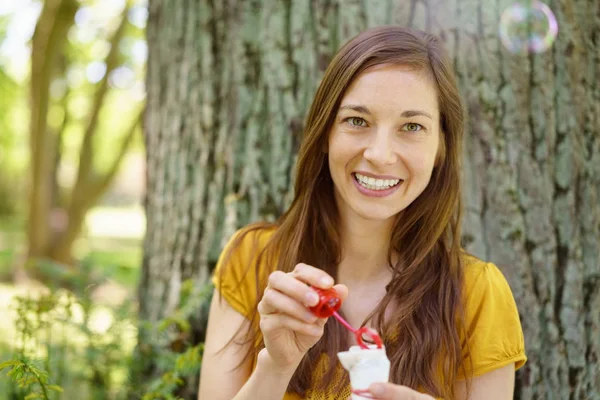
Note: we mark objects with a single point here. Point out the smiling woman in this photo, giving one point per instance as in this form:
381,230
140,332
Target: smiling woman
384,144
376,217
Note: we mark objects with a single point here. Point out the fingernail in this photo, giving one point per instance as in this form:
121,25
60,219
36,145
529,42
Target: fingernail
326,281
311,298
376,389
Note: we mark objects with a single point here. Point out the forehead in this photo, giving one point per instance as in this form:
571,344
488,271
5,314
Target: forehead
393,86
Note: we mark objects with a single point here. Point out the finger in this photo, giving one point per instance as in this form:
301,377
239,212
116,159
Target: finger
294,288
342,291
264,309
276,302
273,322
312,276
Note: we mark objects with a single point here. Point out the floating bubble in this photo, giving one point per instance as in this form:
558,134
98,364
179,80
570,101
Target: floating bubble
528,27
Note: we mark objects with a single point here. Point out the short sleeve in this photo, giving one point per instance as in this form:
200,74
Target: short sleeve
235,273
494,336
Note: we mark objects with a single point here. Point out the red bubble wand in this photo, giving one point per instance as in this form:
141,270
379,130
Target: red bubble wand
329,303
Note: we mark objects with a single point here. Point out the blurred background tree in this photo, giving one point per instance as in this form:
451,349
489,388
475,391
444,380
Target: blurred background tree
71,182
229,83
56,214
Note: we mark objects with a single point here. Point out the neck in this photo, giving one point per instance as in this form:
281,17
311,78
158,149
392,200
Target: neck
365,246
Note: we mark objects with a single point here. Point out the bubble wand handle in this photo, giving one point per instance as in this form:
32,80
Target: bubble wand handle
329,303
343,322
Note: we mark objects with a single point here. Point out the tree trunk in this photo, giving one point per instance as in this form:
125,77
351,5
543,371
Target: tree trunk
229,83
48,41
52,230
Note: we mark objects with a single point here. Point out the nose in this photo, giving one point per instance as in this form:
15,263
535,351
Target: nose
380,151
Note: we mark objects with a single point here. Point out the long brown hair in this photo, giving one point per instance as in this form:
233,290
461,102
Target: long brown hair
422,335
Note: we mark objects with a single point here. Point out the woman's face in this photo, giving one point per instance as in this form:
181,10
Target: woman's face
383,144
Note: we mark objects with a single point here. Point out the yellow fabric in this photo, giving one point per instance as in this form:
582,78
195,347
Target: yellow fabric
494,333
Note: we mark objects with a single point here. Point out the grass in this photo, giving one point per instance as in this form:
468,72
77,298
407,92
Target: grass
6,262
112,242
120,266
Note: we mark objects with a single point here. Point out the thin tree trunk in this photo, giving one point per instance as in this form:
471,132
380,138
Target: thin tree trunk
229,83
48,40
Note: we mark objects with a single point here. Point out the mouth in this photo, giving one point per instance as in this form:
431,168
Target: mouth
372,187
376,185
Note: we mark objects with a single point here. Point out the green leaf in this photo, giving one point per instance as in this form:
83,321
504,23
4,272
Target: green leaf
9,363
56,388
28,381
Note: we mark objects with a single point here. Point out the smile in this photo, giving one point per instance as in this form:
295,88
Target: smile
376,187
375,184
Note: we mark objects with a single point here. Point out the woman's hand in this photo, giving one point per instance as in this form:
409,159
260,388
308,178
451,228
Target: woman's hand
289,328
390,391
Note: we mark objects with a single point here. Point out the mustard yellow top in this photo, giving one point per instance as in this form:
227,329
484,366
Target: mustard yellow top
495,336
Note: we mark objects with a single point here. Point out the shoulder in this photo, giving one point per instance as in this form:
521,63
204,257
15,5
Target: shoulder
248,242
486,286
493,329
244,250
240,266
480,276
255,236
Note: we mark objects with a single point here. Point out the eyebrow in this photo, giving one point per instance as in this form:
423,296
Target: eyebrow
405,114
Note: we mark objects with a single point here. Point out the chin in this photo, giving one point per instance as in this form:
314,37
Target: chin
380,214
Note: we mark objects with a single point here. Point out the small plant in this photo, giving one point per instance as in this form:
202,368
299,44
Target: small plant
82,346
27,376
173,347
75,357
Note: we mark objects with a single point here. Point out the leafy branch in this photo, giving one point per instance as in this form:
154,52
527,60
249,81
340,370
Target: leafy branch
26,374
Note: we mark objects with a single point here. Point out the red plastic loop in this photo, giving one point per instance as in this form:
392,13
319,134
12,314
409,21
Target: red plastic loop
329,302
372,334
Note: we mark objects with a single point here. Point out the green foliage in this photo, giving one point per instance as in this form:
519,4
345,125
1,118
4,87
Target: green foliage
170,344
27,375
10,175
84,349
186,365
83,346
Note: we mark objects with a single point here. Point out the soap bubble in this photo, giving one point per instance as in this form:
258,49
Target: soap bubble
528,27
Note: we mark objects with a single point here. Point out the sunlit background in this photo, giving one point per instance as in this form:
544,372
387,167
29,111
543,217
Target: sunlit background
110,242
118,215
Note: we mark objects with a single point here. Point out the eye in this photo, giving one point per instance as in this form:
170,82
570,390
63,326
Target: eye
356,122
412,127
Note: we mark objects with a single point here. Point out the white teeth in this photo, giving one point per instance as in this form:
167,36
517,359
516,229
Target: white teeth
376,184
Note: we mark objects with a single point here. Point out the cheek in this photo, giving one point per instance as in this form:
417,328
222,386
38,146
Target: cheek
429,157
421,165
339,152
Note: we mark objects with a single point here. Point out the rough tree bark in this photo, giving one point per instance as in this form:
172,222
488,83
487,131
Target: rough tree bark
229,83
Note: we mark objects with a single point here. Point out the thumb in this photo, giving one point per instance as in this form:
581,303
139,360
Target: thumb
342,291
